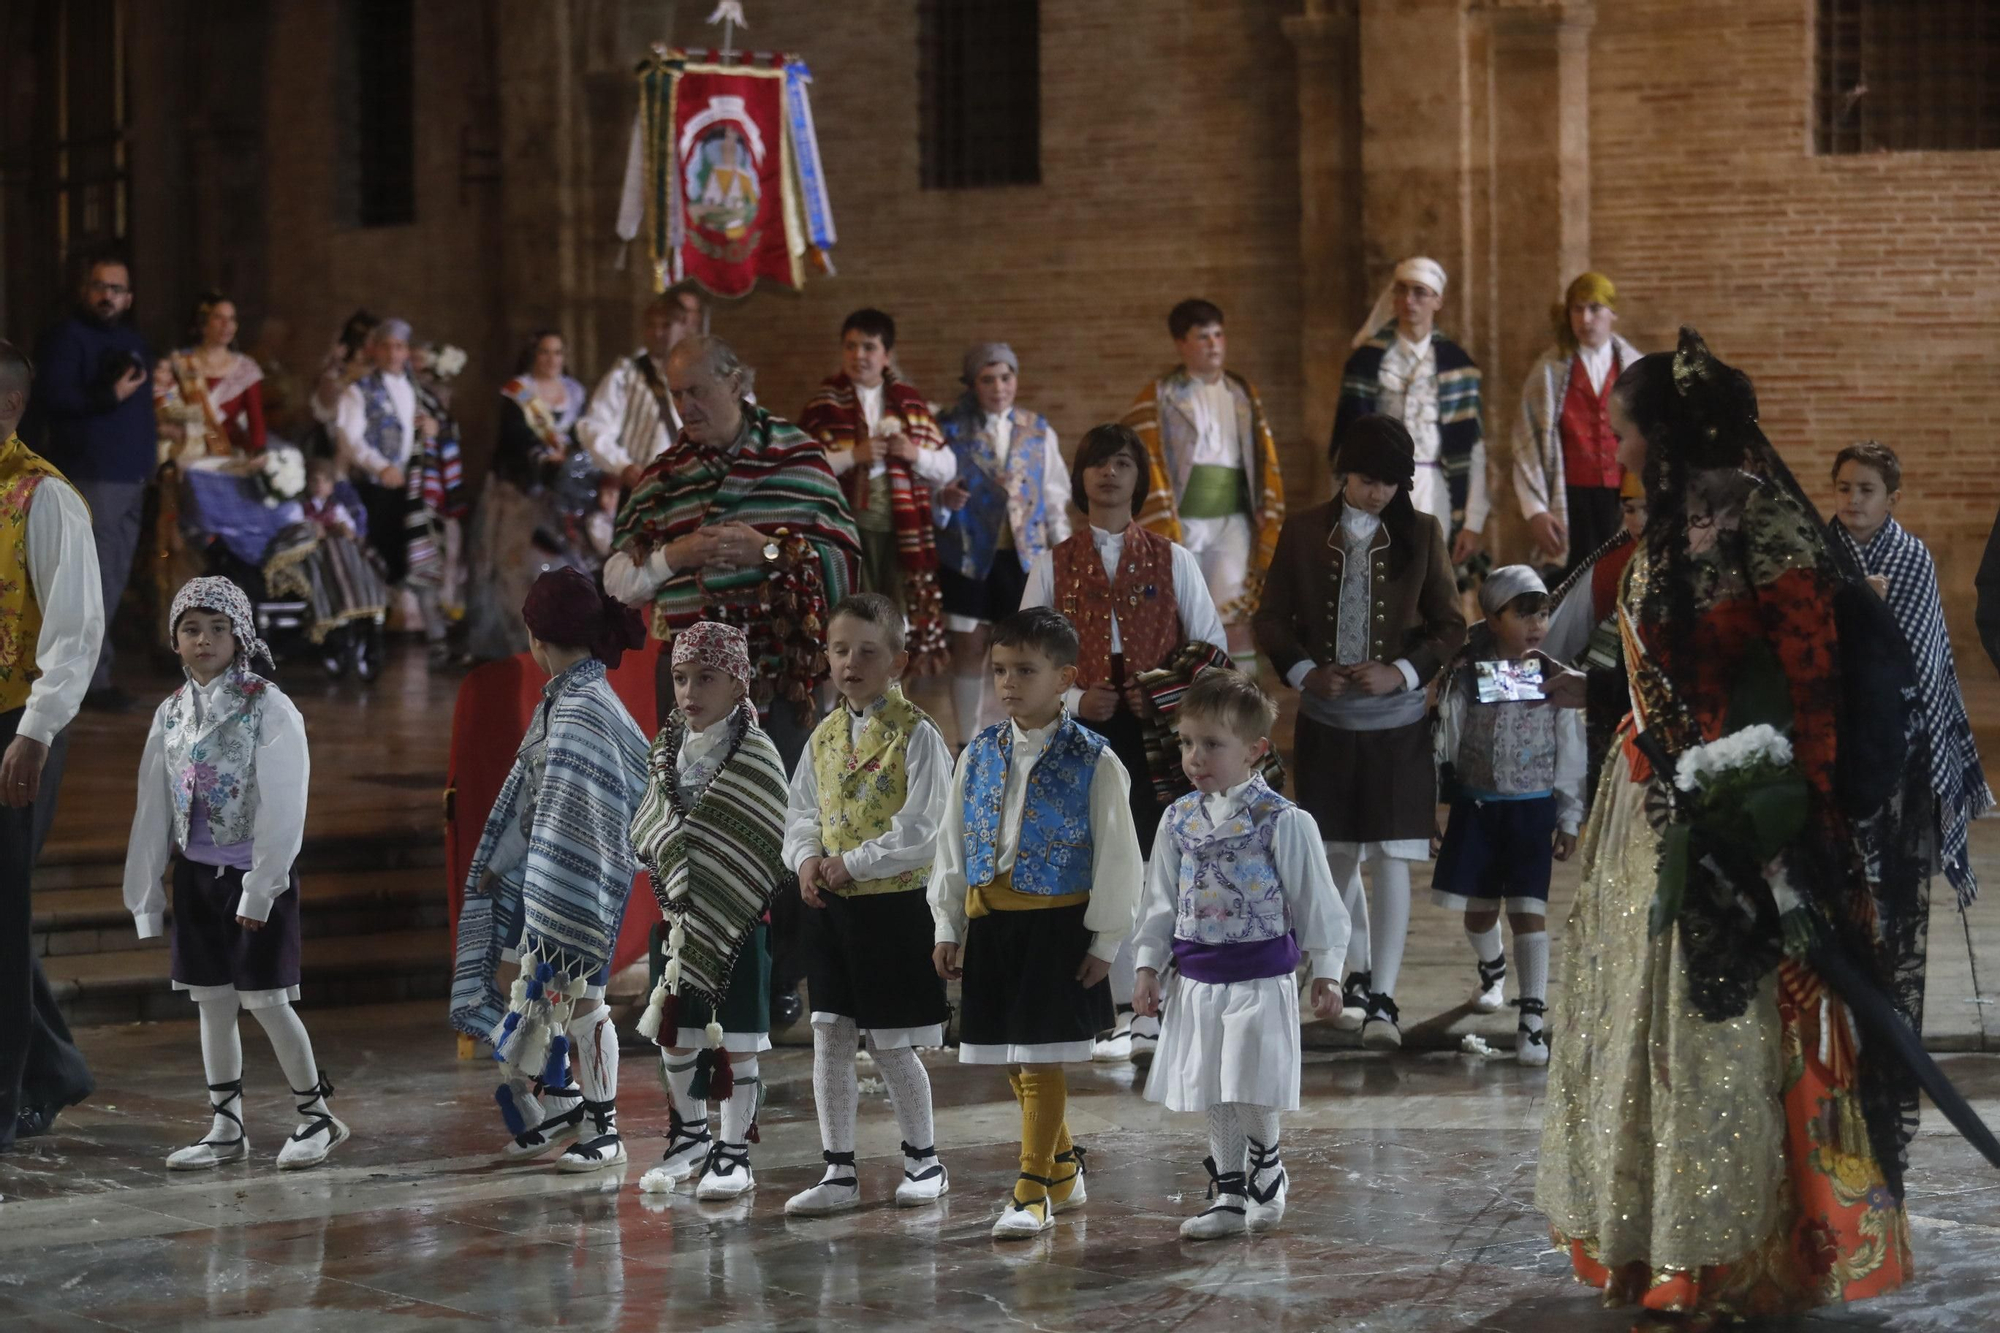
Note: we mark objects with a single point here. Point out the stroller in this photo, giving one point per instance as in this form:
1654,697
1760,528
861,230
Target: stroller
310,599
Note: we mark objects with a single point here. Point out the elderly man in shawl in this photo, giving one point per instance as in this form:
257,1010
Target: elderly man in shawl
549,884
1402,367
1566,470
741,522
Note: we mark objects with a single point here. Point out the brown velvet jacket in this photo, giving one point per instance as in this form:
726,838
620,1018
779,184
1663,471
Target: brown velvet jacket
1414,592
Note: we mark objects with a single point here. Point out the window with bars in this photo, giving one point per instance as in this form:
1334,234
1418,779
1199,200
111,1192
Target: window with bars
1901,75
375,91
980,110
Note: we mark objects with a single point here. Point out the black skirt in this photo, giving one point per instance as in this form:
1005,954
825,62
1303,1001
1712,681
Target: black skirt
209,948
868,958
1366,786
1020,986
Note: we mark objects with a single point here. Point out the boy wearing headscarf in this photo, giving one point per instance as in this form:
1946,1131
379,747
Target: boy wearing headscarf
1215,486
549,883
222,797
1008,504
711,832
1403,368
1566,471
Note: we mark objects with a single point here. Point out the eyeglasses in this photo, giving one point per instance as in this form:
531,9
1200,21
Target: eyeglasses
109,288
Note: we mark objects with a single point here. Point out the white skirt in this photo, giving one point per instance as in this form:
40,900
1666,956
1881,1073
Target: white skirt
1233,1041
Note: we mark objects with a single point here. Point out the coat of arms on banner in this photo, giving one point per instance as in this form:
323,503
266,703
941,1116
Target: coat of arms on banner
724,172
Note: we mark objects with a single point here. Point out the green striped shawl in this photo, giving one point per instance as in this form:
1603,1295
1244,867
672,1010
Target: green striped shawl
1459,426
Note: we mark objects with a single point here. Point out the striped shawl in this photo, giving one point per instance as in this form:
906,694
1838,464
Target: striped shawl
1155,697
570,888
1956,776
715,854
1537,437
1458,404
1157,416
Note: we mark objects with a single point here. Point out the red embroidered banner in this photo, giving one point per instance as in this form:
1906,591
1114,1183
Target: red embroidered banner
731,170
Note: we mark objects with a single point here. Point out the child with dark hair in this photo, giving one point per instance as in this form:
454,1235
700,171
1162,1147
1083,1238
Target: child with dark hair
1868,480
1237,893
885,446
861,831
1514,772
1212,481
1139,604
222,798
1034,885
1360,612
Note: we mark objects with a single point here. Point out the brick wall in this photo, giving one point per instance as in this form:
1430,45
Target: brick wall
1861,293
1169,169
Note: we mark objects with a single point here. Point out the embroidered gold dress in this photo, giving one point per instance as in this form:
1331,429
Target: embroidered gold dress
1690,1164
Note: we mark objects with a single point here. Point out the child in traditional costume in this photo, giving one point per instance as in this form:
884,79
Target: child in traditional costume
711,831
1034,887
1237,891
883,444
1514,772
222,796
1008,504
1868,478
1360,612
1143,612
549,884
862,825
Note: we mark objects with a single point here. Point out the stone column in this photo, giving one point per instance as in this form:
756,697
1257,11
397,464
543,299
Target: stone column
1328,39
1538,82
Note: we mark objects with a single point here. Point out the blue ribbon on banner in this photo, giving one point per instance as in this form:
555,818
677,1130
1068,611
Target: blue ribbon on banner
805,145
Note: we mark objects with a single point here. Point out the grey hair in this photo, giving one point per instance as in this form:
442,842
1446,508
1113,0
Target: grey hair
720,358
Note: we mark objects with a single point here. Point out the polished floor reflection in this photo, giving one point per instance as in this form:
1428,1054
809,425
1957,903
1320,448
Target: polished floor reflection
1410,1211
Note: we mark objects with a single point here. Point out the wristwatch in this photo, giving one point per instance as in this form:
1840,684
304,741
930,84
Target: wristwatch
770,553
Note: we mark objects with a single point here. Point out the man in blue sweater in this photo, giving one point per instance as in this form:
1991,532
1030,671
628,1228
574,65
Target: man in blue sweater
93,382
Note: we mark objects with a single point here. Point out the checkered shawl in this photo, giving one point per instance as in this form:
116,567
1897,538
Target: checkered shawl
1956,775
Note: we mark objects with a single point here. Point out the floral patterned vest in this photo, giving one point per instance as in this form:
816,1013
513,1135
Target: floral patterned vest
1229,887
1054,856
863,783
383,430
214,760
1507,749
1149,618
1006,497
21,471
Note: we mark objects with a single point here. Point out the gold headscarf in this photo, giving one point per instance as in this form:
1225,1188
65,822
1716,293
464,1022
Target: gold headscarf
1592,286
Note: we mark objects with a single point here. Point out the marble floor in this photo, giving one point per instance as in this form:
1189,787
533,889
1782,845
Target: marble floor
1413,1178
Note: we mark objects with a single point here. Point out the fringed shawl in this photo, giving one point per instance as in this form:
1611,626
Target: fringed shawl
570,887
1956,776
715,854
1155,697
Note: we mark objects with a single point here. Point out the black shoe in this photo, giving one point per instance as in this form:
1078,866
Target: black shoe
110,699
33,1120
786,1008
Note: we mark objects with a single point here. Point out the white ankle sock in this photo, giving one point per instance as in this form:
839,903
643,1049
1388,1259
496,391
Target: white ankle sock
678,1070
909,1085
1389,908
1486,943
1531,957
1345,868
836,1090
740,1111
965,699
221,1057
294,1049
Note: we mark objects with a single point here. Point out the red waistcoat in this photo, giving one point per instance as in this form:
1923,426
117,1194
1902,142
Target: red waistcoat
1590,451
1149,618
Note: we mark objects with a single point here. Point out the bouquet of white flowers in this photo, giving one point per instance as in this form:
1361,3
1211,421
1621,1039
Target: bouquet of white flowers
281,475
449,362
1744,801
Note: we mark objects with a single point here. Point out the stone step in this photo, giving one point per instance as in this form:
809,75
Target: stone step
94,920
103,865
134,985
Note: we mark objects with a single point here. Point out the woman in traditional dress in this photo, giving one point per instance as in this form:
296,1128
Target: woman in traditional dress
225,384
1717,1143
517,533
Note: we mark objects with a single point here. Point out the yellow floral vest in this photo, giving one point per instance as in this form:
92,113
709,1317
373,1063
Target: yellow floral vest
863,784
21,470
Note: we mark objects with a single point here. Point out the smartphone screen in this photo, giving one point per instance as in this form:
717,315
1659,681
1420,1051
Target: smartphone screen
1509,682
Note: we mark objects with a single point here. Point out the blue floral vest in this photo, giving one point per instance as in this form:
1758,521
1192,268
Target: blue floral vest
968,541
1229,887
384,429
215,760
1055,844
